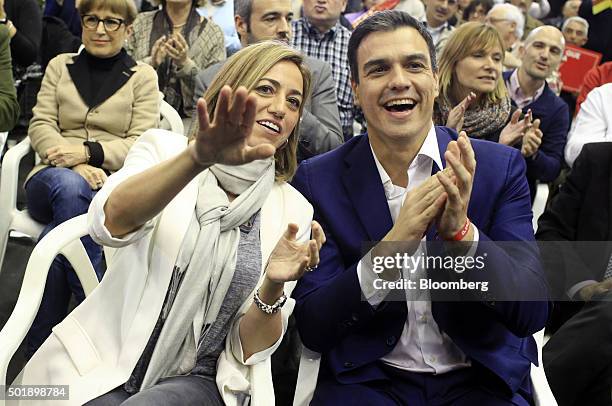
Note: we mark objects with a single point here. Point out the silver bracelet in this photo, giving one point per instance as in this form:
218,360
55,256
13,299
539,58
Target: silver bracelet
266,308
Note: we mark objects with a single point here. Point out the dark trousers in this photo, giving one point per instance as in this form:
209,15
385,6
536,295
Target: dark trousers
188,390
464,387
55,195
578,357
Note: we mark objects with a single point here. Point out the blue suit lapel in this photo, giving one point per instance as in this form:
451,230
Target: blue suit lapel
364,187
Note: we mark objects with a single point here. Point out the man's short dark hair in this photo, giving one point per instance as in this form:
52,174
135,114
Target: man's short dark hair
385,21
244,8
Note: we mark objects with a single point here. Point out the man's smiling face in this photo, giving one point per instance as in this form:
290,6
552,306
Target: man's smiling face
397,85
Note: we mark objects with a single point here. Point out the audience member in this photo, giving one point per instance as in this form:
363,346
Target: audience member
475,352
177,42
471,81
575,31
56,39
9,108
593,122
541,55
473,96
366,5
600,38
413,7
222,13
530,22
477,11
91,108
597,76
24,21
570,9
437,14
458,17
575,235
539,9
232,238
260,20
319,35
509,22
67,11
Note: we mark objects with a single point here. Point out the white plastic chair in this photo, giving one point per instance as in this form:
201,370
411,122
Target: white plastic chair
19,221
309,371
63,239
3,138
539,204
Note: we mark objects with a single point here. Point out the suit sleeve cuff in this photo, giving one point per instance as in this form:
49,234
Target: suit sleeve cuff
367,277
576,288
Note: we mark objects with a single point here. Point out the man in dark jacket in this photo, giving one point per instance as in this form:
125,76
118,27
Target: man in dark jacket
575,232
528,89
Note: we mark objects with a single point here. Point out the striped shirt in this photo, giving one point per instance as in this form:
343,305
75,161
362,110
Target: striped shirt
331,47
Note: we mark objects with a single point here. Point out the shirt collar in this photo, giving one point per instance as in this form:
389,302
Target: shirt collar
436,30
429,151
313,31
516,94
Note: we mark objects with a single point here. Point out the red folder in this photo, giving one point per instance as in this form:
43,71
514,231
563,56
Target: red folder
576,63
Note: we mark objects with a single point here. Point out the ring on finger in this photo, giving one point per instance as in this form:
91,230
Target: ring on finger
311,268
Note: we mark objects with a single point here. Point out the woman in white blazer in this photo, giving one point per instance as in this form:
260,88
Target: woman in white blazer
189,312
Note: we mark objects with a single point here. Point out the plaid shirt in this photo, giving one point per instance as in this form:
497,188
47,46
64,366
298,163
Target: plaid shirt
331,47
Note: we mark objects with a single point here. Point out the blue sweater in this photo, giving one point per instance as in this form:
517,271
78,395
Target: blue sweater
554,123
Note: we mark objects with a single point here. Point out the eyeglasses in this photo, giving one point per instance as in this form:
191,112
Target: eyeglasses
91,22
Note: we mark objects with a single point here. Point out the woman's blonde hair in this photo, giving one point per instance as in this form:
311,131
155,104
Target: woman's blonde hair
246,68
464,41
124,8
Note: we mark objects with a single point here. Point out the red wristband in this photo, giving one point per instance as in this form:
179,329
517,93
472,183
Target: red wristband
461,233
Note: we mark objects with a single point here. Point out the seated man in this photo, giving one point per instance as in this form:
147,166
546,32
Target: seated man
260,20
419,352
528,89
437,15
578,357
575,31
593,122
509,22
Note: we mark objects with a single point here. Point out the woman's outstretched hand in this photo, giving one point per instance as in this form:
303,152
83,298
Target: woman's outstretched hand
290,259
224,140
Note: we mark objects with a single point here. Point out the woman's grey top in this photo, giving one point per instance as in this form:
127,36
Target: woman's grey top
212,337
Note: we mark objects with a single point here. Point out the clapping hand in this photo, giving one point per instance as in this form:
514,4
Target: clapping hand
457,114
532,140
290,259
158,52
176,48
224,140
514,131
460,157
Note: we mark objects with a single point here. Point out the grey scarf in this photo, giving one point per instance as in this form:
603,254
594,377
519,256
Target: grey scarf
479,121
212,264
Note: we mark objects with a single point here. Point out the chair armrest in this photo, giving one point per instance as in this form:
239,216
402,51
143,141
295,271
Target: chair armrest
542,395
9,178
64,239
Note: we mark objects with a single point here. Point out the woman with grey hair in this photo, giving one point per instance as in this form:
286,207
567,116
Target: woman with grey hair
178,42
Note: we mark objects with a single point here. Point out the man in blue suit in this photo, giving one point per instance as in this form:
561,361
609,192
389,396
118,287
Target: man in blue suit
389,185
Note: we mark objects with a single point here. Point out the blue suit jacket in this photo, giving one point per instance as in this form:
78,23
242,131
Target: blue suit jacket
348,198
